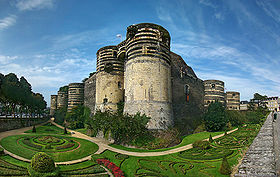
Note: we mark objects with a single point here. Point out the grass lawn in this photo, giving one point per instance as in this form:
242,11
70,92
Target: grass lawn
47,129
189,139
86,148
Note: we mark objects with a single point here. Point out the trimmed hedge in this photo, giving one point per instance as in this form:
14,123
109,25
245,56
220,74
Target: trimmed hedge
201,144
1,151
34,173
41,162
29,143
69,145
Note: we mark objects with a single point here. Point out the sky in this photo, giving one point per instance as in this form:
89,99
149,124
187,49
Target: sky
54,42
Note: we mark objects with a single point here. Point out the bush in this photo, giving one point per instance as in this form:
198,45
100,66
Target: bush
201,144
215,117
69,145
34,173
1,151
42,163
65,130
28,143
34,129
225,168
210,139
48,146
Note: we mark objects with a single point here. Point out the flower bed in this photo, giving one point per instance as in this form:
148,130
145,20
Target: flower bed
69,145
117,172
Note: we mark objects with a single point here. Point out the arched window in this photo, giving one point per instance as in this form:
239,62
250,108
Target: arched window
105,100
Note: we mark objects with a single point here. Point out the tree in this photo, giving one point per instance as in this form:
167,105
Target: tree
225,168
215,117
77,117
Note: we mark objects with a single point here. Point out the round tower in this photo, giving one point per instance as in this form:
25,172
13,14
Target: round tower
53,104
75,95
148,74
233,100
109,78
62,99
214,91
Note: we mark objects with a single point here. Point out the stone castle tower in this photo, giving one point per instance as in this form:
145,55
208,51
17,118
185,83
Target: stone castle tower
109,78
147,79
214,91
75,95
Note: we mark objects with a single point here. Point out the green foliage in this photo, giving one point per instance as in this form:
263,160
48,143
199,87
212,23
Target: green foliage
215,117
65,130
34,129
43,163
201,144
77,117
200,128
64,89
60,115
210,139
225,168
34,173
123,128
1,151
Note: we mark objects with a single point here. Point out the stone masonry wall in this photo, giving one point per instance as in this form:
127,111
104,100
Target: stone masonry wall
89,93
187,113
260,158
15,123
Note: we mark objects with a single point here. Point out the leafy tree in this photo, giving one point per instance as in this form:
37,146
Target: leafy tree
60,115
77,117
225,168
210,139
215,117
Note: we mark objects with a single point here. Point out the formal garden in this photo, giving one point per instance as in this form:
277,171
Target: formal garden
48,144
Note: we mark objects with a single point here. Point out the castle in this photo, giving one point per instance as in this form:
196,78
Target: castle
143,73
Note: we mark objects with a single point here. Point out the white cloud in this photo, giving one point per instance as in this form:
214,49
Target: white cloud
207,3
24,5
219,16
269,10
7,22
7,59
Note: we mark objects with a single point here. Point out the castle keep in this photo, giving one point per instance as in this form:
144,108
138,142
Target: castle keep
147,77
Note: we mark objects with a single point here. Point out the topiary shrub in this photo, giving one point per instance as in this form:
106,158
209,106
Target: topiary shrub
41,162
65,130
225,168
1,151
201,144
34,129
210,139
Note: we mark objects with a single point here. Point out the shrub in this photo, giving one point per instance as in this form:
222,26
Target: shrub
215,117
1,151
225,168
201,144
28,143
48,146
69,145
34,129
210,139
43,163
34,173
65,130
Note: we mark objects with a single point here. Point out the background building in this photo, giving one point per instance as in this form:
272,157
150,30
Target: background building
233,100
214,91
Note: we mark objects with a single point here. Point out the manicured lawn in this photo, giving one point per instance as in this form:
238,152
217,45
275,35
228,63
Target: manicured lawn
192,162
47,129
189,139
86,148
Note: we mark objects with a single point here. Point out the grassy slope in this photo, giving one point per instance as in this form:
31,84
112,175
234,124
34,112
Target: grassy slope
189,139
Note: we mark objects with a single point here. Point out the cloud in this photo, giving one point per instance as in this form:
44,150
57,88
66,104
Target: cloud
163,14
6,59
207,3
269,10
24,5
7,22
219,16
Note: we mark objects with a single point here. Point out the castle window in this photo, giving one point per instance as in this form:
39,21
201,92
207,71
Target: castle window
213,86
119,85
105,100
115,54
233,94
187,92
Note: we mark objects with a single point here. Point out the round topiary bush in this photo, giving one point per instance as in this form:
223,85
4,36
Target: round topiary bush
43,163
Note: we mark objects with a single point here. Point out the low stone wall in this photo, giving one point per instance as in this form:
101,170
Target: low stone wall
15,123
260,158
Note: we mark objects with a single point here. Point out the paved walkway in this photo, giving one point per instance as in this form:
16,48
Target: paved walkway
276,128
259,159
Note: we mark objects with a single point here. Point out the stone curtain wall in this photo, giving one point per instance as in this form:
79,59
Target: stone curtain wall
186,112
260,158
90,89
15,123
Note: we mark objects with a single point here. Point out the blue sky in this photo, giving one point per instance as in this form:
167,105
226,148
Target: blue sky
54,42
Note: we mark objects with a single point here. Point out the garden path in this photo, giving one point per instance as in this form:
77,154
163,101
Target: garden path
259,160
